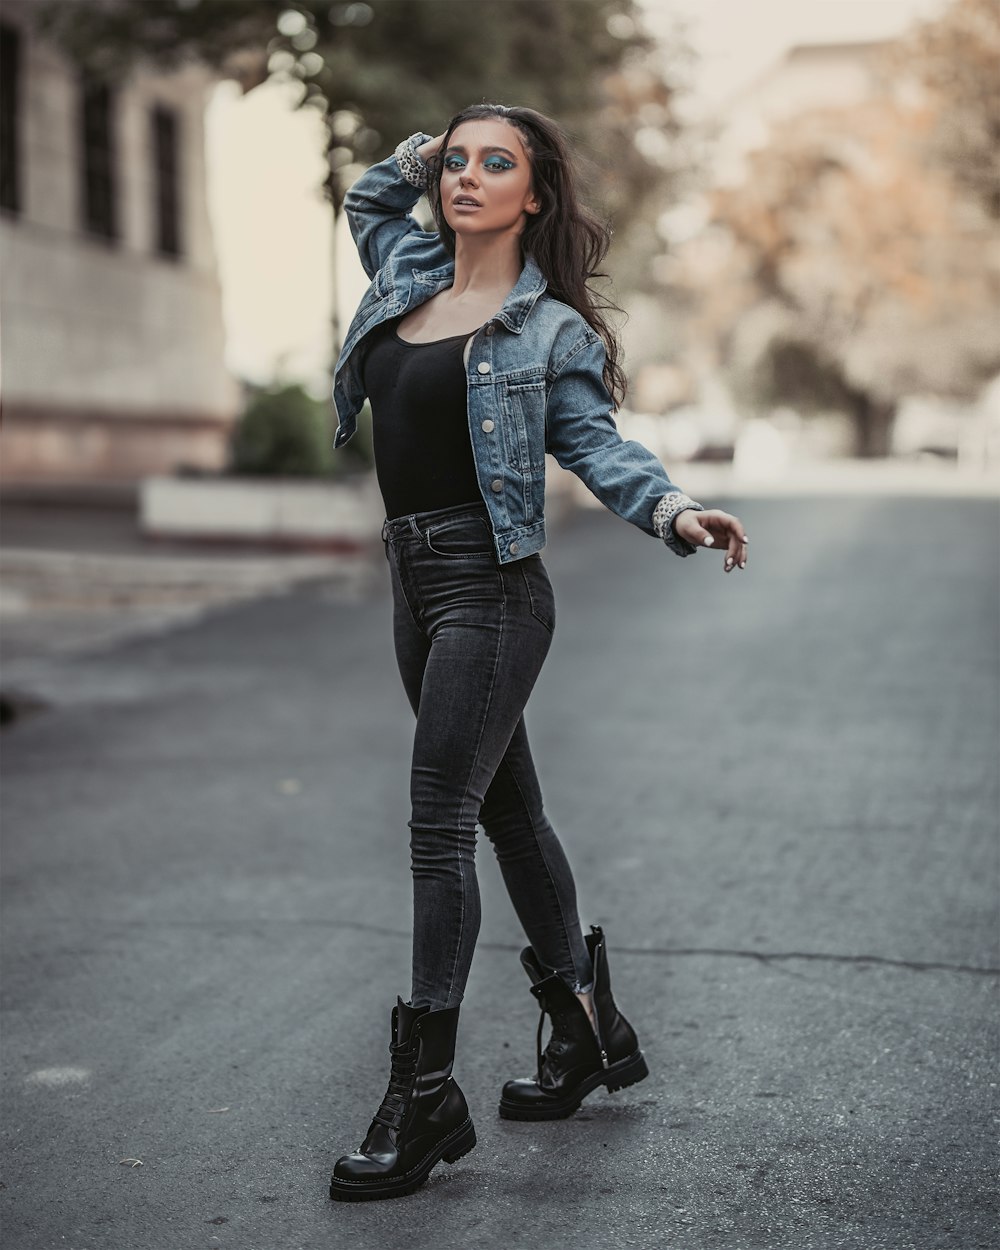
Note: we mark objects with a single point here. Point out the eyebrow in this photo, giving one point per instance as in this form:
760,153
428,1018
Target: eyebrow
457,147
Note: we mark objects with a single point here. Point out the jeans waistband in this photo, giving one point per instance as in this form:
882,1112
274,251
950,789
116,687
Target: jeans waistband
416,523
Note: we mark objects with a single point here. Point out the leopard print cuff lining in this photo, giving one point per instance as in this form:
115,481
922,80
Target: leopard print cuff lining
663,515
411,166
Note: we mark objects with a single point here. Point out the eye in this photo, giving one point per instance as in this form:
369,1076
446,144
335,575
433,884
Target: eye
454,162
497,163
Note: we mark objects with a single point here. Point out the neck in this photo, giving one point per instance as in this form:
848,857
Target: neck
487,266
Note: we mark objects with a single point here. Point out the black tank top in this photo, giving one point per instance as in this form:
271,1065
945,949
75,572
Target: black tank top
420,427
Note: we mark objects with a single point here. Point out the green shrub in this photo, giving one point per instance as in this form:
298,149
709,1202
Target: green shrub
359,453
285,432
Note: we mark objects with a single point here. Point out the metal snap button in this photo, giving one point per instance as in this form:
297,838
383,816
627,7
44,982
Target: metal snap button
514,549
488,427
483,367
490,328
496,484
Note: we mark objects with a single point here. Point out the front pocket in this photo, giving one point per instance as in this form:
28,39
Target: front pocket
541,596
463,538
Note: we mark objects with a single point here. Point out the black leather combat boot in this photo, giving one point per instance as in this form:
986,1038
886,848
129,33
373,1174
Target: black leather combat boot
423,1117
576,1060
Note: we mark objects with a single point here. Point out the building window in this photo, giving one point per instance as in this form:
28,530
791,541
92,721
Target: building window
100,189
166,161
10,120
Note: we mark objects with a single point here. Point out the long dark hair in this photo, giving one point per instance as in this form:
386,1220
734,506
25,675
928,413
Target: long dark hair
567,241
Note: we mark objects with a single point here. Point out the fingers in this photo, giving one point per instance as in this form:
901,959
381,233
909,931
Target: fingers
713,526
736,548
699,534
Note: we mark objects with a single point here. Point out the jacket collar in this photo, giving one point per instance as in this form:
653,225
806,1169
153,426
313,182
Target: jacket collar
518,303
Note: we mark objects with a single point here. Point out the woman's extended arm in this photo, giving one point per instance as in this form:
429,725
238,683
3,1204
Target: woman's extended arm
624,474
378,203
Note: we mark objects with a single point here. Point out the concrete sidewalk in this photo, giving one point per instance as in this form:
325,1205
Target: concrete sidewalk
76,574
778,792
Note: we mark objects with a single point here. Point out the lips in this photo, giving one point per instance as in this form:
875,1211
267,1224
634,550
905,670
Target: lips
466,201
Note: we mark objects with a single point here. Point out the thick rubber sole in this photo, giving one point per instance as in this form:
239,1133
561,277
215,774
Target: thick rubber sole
450,1149
625,1072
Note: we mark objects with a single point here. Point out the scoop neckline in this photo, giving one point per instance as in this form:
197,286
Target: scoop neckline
464,334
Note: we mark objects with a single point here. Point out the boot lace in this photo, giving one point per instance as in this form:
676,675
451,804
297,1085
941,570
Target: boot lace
556,1044
561,1037
402,1072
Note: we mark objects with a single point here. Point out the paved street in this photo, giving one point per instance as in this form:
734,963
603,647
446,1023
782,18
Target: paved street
778,789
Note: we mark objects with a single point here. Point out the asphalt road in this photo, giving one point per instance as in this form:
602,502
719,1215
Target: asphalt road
778,789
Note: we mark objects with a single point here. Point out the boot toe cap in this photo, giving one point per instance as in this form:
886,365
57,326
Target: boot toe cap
359,1167
525,1091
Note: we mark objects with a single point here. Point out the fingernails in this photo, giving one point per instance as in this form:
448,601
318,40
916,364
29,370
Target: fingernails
709,540
729,564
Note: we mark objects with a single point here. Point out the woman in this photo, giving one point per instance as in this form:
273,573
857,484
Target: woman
482,348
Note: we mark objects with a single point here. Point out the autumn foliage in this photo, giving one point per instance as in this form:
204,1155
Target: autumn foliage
867,238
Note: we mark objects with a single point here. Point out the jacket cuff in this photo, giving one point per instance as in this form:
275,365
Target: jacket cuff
663,517
411,166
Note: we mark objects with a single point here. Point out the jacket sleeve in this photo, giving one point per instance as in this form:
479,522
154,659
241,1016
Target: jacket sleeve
623,474
378,205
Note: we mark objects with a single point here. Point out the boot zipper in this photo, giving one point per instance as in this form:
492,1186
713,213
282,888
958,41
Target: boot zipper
597,1014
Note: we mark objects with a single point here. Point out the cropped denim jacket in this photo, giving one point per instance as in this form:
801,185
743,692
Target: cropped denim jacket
534,372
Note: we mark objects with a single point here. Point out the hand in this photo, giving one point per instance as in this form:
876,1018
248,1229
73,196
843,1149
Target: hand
712,528
430,148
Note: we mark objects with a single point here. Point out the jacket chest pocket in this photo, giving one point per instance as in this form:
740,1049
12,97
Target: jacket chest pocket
524,428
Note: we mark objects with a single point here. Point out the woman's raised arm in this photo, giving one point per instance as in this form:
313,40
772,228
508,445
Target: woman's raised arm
378,204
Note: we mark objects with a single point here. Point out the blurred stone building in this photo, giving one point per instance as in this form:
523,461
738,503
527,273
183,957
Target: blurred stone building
110,309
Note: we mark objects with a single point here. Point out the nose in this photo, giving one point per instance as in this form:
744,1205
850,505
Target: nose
466,178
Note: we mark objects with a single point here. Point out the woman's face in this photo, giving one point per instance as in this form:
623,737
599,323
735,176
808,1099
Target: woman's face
486,179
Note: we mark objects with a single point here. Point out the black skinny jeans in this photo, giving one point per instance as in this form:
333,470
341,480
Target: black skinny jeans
470,637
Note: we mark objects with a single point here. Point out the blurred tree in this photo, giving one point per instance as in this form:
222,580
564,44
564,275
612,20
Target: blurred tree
378,70
956,60
884,270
